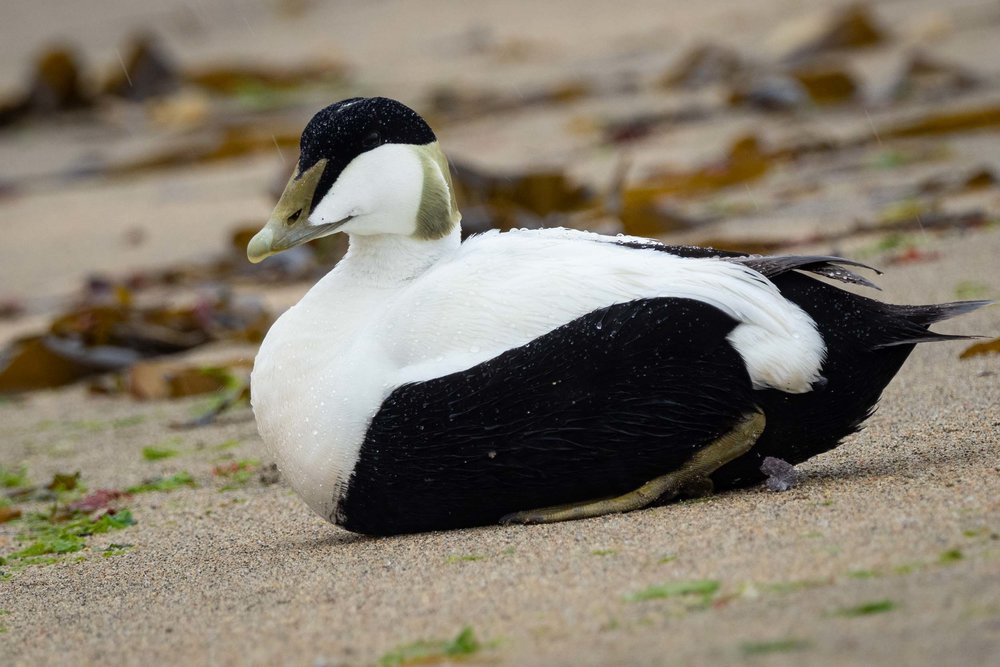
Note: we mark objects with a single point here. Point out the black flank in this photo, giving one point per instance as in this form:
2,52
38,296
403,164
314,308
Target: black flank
594,408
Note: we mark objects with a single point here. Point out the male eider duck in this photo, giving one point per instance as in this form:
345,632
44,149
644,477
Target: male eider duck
542,375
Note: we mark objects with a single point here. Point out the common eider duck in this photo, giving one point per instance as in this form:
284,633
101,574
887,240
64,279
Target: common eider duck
529,376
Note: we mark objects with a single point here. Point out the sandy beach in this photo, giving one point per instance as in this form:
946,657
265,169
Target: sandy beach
886,552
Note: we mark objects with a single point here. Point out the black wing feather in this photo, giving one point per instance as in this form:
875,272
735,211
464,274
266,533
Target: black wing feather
769,266
592,409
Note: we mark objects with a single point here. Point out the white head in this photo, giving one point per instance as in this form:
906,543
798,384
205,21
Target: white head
367,166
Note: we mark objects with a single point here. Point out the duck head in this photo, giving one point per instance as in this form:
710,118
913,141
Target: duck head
366,166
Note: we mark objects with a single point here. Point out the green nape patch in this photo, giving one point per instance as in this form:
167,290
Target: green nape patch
170,483
14,478
705,588
465,644
774,646
867,608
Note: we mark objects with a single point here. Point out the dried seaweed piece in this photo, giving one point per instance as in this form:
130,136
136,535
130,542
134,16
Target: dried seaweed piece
867,608
924,77
817,82
964,120
235,391
703,65
773,92
645,211
64,481
234,141
851,27
744,162
146,71
705,589
62,531
55,86
781,475
637,126
978,349
826,83
175,481
29,363
977,179
448,103
8,513
94,339
158,380
435,651
505,201
233,79
154,380
97,500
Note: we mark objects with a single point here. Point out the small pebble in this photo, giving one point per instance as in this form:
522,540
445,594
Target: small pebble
781,475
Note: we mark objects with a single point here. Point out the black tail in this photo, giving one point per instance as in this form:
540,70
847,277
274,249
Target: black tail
867,342
912,321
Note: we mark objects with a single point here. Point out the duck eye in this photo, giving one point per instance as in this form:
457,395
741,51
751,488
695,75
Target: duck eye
371,141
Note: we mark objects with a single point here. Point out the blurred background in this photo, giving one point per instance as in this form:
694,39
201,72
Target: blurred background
141,144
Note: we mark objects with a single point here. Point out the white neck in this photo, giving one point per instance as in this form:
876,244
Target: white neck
313,426
389,260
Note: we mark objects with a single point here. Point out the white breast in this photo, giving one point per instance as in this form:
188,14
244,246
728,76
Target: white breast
315,387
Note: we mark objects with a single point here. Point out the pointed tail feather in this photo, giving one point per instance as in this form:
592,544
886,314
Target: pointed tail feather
913,321
928,315
824,265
